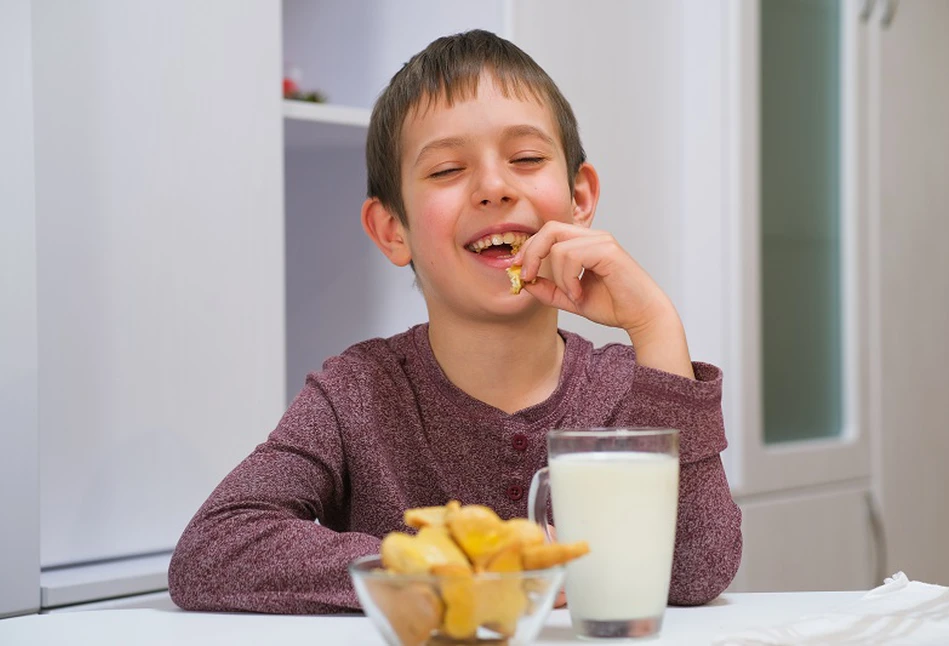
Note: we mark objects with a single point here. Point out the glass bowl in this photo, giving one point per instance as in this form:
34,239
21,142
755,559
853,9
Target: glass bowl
414,609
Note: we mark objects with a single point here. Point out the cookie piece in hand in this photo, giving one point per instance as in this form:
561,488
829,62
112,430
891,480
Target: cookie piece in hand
514,273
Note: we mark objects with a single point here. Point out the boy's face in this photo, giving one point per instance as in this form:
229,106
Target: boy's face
489,165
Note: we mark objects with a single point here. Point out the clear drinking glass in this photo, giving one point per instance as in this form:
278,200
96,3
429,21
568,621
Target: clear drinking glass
617,489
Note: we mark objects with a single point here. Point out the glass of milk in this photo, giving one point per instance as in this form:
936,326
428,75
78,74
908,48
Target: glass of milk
617,489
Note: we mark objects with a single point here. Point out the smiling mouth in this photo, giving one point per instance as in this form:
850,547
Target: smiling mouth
499,245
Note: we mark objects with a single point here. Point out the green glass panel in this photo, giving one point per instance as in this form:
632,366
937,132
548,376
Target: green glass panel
800,219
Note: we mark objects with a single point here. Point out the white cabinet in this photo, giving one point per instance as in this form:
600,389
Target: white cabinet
148,308
159,263
791,197
807,541
760,135
895,305
19,467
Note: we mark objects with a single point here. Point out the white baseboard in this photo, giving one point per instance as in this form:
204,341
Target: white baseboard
83,584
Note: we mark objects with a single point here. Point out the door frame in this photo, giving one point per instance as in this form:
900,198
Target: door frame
721,260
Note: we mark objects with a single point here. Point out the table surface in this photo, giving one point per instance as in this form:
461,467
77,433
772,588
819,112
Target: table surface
693,626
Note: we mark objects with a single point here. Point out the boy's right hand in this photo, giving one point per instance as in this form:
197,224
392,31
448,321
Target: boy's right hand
588,273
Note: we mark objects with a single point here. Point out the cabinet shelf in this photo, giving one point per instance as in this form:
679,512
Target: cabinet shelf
326,113
311,125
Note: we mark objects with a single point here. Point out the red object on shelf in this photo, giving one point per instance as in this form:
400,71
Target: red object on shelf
290,88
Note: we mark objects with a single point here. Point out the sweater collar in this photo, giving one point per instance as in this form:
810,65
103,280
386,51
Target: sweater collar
576,353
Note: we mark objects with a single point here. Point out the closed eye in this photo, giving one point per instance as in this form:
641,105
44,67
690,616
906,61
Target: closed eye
528,161
445,172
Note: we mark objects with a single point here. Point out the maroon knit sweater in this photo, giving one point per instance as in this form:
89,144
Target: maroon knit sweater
382,429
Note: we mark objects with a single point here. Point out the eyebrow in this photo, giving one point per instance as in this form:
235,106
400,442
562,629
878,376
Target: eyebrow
440,144
513,132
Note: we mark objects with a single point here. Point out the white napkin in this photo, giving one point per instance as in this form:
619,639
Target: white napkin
899,612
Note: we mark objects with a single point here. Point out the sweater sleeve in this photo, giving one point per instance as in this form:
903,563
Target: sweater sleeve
255,546
708,529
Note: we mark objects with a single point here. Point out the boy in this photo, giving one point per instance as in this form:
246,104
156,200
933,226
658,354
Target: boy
475,165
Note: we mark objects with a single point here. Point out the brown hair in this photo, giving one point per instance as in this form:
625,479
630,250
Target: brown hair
450,67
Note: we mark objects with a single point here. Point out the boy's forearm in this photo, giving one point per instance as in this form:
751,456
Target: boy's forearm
662,345
708,538
261,561
253,546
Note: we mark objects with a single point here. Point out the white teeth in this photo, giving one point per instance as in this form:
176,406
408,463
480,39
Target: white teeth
512,238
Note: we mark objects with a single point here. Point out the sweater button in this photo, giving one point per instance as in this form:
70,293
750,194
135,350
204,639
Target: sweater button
519,442
515,492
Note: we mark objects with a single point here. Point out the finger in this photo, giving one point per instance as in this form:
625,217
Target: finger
569,261
586,261
566,267
596,250
561,600
538,246
547,292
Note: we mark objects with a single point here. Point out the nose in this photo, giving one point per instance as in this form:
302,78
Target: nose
492,187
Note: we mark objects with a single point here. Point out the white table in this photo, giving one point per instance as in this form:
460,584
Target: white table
682,626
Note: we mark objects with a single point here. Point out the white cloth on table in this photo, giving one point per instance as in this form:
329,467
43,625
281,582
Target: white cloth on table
898,613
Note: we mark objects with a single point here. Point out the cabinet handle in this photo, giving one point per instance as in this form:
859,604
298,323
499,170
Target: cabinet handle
878,532
889,11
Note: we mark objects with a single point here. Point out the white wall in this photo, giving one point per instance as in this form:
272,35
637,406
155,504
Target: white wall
19,461
159,224
619,65
914,286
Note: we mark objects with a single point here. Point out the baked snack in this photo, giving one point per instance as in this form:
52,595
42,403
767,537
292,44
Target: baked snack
514,273
456,543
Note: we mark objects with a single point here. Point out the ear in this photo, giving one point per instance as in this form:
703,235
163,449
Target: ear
385,229
586,193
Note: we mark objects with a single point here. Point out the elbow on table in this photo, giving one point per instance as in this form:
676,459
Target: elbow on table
189,585
179,583
699,580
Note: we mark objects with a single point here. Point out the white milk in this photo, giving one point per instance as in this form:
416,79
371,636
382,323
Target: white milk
624,505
